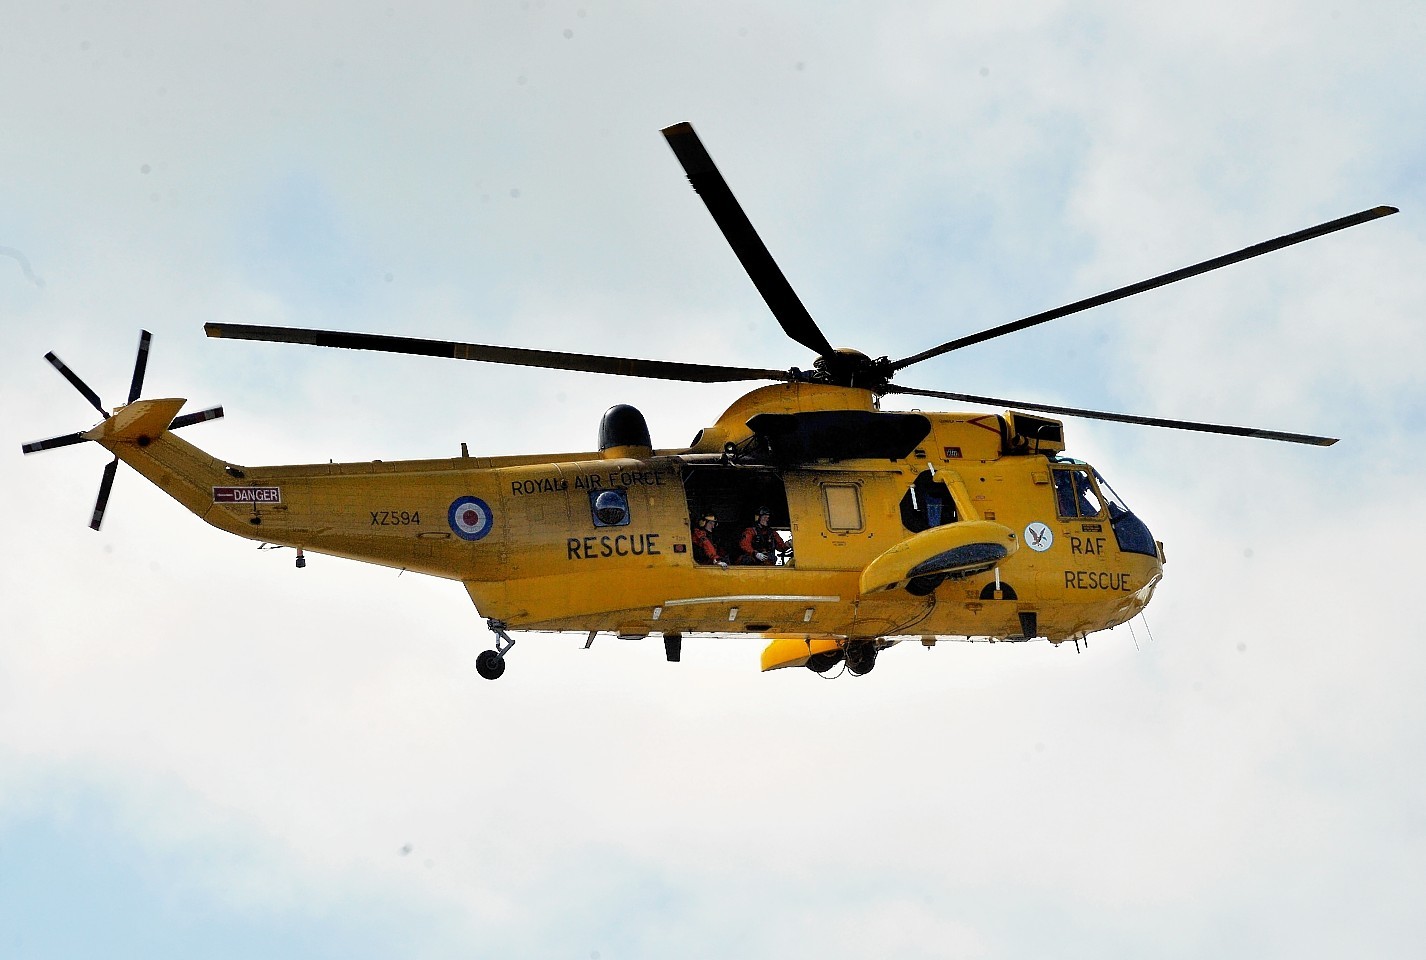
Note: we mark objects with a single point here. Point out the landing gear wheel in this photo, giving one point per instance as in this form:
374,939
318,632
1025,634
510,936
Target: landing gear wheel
490,665
861,656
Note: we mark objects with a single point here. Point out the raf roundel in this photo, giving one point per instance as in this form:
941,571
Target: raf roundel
471,518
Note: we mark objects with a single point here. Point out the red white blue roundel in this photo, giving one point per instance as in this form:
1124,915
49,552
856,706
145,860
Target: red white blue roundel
471,518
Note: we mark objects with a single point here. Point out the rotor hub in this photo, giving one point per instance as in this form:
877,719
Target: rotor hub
846,367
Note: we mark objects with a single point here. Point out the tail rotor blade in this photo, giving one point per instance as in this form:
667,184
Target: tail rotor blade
140,365
202,416
105,486
52,442
77,383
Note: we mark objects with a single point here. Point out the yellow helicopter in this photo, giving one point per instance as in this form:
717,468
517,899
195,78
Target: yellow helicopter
805,514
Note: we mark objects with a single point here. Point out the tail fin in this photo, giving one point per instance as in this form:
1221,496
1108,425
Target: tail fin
139,422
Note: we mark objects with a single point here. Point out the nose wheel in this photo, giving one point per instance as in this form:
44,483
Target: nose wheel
491,663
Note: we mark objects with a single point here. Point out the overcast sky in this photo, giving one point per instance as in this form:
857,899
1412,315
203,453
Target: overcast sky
206,753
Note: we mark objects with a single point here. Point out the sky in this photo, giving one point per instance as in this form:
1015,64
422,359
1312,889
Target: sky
204,752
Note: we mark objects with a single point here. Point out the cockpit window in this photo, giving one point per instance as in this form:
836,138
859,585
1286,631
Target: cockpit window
1075,495
1130,532
1117,507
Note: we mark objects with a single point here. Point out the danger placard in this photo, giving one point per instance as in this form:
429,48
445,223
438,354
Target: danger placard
247,494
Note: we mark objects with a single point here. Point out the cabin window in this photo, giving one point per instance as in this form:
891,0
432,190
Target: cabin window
610,508
1075,495
844,506
733,496
927,504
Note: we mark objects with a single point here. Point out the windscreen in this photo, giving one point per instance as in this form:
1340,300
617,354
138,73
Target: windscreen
1131,532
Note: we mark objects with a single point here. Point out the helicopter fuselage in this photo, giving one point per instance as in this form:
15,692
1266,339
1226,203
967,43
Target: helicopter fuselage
602,541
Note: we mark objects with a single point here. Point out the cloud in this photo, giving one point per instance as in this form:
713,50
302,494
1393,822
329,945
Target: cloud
309,757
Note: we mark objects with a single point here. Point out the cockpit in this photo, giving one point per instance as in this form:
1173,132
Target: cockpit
1081,493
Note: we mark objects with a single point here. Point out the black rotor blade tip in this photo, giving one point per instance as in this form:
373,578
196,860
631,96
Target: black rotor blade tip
105,486
53,442
202,416
141,364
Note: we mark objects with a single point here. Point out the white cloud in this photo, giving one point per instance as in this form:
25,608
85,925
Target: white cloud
275,739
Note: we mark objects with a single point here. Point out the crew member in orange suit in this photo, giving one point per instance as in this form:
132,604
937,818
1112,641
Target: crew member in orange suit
760,543
705,551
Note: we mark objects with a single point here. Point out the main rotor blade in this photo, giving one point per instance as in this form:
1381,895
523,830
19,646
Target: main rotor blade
588,363
140,365
105,486
1120,417
77,383
1247,253
52,442
796,322
189,419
